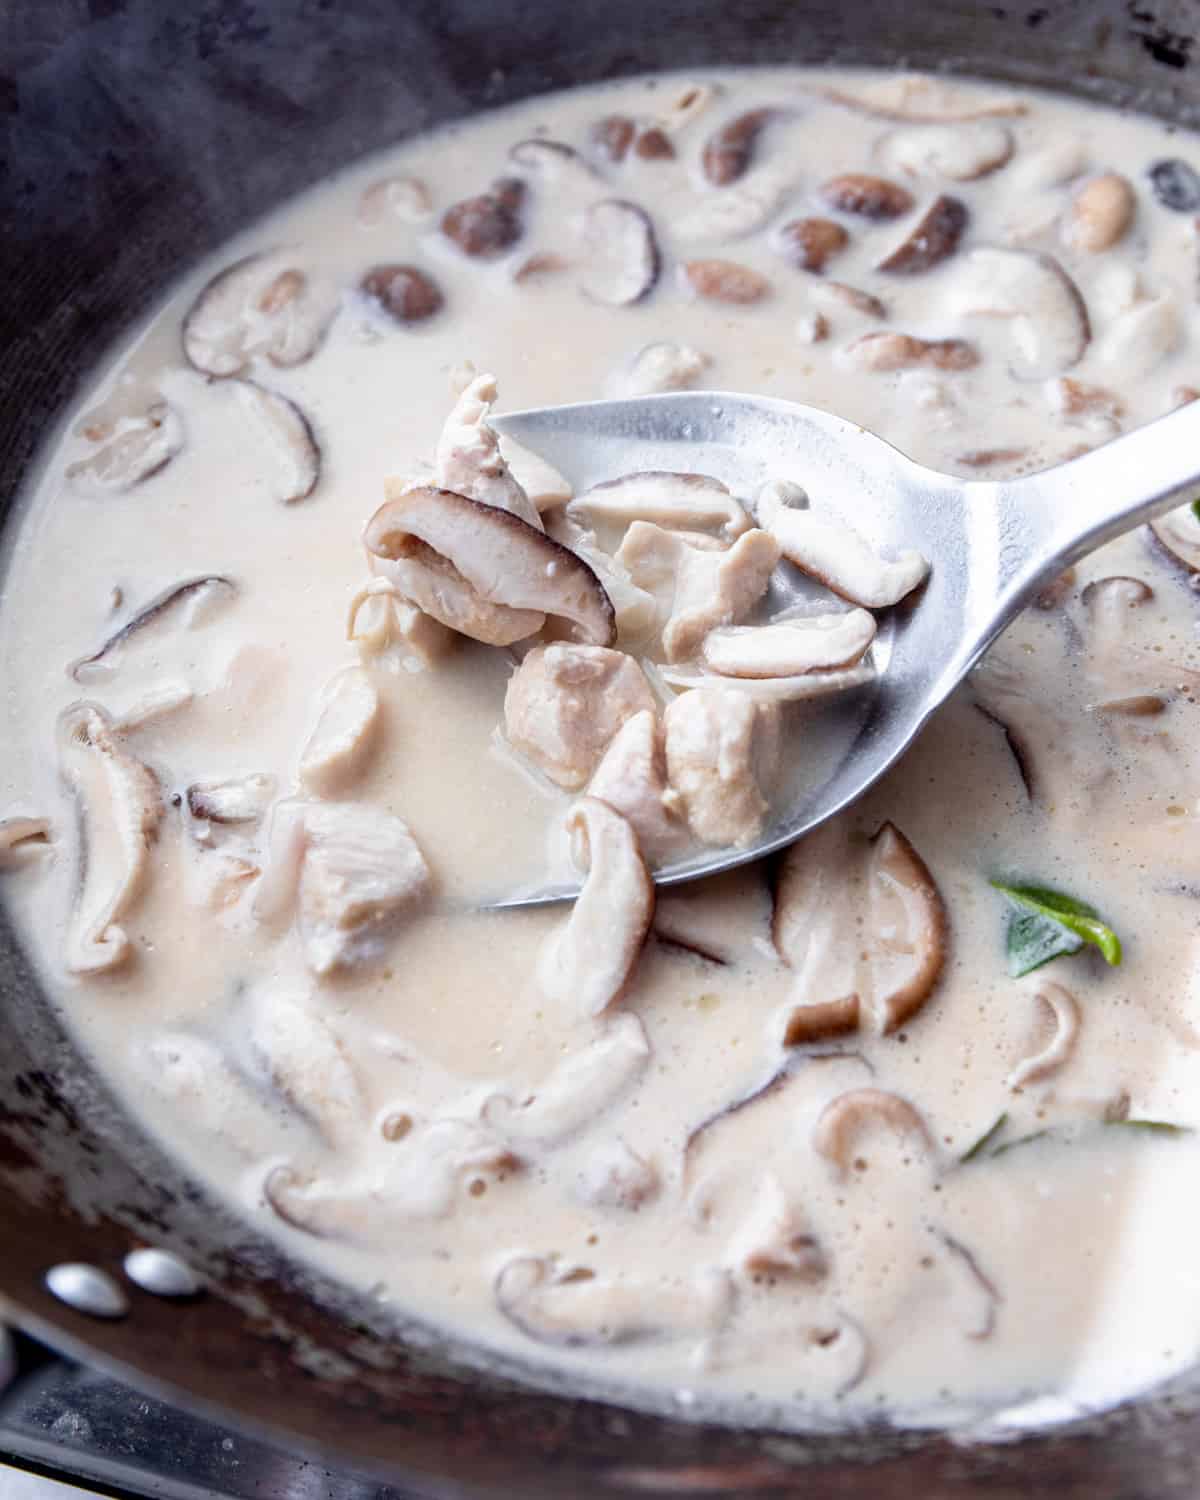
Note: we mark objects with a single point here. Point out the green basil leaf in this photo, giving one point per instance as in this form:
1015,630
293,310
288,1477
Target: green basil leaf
1024,1140
1156,1127
1030,945
985,1140
1196,509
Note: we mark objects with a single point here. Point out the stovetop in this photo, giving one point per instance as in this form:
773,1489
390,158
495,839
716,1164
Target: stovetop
67,1423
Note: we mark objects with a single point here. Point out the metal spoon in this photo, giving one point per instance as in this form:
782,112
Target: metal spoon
993,546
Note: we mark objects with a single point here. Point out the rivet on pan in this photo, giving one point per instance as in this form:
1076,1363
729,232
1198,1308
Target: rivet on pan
161,1274
8,1359
87,1290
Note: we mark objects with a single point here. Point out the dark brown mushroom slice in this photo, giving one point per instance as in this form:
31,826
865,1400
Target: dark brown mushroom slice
990,458
729,151
289,437
209,588
654,144
506,561
489,224
809,244
866,196
130,452
624,260
612,136
725,281
406,294
934,239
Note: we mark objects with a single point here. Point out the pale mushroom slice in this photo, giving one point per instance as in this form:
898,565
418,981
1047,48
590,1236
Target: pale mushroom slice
469,460
614,1176
962,151
1145,335
421,1180
576,1093
863,925
974,1297
1179,532
22,840
184,606
565,704
791,648
724,919
576,1308
281,433
663,366
777,690
1063,1011
632,779
774,1239
830,550
624,260
586,964
691,502
843,1120
483,571
262,304
192,1075
924,99
1050,323
300,1055
120,807
237,800
351,872
707,588
722,754
128,451
345,734
1137,681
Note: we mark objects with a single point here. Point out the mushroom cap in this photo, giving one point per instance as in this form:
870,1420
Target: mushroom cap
505,561
1051,328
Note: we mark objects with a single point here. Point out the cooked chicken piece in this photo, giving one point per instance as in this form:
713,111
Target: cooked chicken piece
565,703
722,750
708,588
345,733
350,871
632,778
469,460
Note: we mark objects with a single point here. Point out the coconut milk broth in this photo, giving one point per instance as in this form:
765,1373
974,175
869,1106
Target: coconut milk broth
1064,1267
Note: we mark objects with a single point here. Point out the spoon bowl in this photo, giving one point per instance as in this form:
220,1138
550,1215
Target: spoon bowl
991,545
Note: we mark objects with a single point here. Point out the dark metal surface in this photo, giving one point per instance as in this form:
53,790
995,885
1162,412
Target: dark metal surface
137,136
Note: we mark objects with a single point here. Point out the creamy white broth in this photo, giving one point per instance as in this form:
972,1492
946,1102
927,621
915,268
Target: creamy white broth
918,1286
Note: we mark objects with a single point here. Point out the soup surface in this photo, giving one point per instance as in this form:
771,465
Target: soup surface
800,1144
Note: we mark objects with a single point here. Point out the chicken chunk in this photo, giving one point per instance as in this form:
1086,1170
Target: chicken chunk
469,460
632,778
350,872
565,703
707,588
722,751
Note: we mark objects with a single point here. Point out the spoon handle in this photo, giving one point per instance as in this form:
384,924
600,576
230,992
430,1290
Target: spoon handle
1039,526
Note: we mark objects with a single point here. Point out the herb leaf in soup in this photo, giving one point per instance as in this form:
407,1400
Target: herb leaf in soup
1154,1127
988,1138
1045,924
1196,508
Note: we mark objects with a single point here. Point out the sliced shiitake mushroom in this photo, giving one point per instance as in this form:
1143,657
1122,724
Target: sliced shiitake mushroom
404,198
923,100
725,281
404,294
1179,533
729,151
261,304
1063,1010
612,136
775,1240
866,197
790,648
1121,673
863,925
809,244
734,212
723,919
663,366
489,224
482,571
120,807
772,690
932,240
831,551
555,162
243,799
1051,328
301,1057
887,351
287,435
131,450
615,1176
181,606
587,963
22,840
623,255
575,1308
653,144
693,502
962,151
1142,337
576,1092
839,297
844,1117
974,1292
